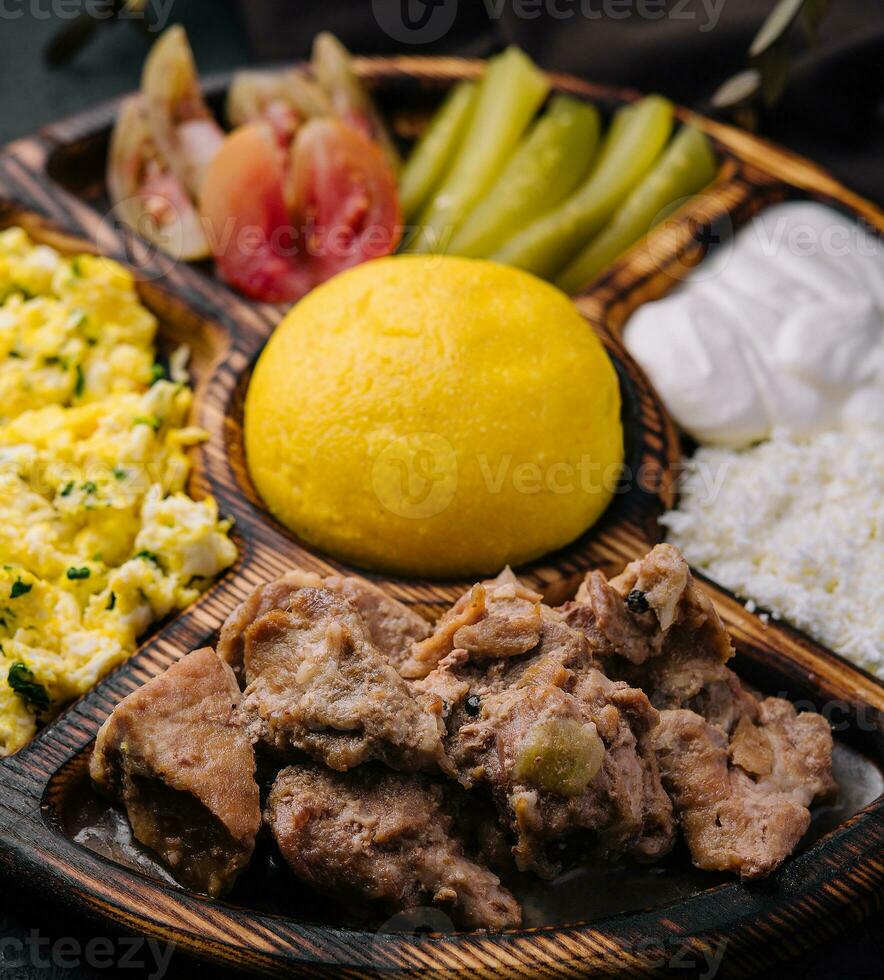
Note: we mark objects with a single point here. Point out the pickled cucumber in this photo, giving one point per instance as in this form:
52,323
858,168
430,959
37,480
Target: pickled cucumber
548,164
687,165
510,93
435,150
634,141
559,755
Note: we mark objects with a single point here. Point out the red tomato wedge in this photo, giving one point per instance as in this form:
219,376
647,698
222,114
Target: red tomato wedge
247,222
276,233
343,191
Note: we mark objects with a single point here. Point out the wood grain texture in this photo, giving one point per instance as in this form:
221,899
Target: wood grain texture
53,184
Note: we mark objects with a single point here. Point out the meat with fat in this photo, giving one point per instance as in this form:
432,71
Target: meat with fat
743,802
495,619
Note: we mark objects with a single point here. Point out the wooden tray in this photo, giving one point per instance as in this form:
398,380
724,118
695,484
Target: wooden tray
53,184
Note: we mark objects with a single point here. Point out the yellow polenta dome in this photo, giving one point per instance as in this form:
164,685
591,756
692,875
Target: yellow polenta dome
434,416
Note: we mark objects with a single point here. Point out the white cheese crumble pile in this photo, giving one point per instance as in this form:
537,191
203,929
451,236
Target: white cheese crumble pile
798,527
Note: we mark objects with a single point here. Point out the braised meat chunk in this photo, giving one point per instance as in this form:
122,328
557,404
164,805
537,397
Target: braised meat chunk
174,755
742,803
317,684
562,748
741,772
559,762
498,618
659,632
374,836
392,626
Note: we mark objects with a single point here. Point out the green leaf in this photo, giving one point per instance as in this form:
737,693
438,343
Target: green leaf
774,28
21,679
774,65
738,90
19,588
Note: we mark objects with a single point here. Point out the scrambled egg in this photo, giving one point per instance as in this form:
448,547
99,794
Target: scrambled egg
98,538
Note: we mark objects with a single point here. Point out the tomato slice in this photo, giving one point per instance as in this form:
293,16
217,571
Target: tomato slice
342,191
247,222
277,232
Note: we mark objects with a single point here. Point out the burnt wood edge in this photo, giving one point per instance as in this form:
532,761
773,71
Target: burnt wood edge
68,736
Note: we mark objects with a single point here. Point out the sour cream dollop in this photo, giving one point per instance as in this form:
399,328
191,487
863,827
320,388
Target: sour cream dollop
781,330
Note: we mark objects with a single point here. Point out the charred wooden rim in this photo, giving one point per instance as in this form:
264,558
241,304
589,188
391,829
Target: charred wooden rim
52,183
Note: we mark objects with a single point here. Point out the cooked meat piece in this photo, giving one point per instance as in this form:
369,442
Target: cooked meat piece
392,626
458,676
317,684
498,618
562,748
626,721
174,755
560,762
743,804
276,594
374,836
634,613
634,635
659,632
662,577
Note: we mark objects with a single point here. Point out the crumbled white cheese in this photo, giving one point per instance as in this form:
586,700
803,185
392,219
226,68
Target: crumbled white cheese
798,528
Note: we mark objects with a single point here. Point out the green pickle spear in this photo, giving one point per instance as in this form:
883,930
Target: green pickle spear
429,159
509,95
635,138
685,167
548,164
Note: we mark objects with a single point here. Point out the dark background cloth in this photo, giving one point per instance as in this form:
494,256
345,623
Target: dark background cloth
832,112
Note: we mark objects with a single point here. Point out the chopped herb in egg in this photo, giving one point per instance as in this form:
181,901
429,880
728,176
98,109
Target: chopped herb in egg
153,421
21,679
